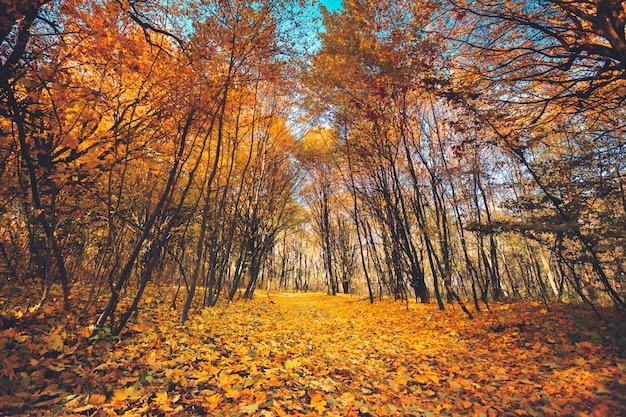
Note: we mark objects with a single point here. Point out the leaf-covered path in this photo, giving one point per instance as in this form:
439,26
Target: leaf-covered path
310,354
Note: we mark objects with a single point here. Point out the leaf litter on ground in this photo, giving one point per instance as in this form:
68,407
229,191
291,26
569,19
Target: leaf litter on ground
297,354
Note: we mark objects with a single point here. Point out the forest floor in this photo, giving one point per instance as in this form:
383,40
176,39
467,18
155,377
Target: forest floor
312,354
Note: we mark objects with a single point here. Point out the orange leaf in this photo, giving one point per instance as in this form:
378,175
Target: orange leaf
96,399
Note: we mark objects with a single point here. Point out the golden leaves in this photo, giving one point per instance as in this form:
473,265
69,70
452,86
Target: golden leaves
319,356
129,393
292,364
426,378
317,402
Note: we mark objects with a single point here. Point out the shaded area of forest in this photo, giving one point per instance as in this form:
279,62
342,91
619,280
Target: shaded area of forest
312,354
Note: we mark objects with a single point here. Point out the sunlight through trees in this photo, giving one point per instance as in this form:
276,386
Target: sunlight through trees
449,152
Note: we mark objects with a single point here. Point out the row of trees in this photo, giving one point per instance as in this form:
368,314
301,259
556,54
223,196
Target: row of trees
467,151
143,141
476,146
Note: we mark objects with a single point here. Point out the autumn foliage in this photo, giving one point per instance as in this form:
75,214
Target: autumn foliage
176,176
311,354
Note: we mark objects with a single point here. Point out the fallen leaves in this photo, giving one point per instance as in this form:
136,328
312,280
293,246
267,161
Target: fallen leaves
129,393
314,355
54,340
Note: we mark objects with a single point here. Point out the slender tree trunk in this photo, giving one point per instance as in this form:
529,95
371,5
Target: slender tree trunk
17,116
205,210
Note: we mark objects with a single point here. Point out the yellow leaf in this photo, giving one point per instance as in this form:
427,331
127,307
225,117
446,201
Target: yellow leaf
119,395
421,379
129,393
347,397
213,401
232,394
54,340
134,394
433,378
292,364
320,406
161,398
402,379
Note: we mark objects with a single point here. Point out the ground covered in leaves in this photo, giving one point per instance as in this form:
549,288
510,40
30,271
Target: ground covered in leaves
312,354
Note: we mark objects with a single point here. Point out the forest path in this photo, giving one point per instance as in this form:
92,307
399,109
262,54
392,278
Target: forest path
341,355
312,354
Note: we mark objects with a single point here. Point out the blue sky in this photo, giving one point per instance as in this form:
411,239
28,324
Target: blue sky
331,4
